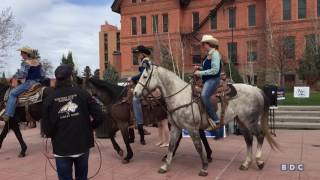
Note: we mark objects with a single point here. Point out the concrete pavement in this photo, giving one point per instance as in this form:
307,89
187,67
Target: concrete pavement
296,147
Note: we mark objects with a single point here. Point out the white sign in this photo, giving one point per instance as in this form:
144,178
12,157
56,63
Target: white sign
301,92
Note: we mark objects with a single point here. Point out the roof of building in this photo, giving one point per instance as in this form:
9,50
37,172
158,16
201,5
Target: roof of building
116,6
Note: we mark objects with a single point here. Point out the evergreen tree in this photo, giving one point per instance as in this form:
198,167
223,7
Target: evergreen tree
87,72
309,66
3,79
111,75
96,74
67,60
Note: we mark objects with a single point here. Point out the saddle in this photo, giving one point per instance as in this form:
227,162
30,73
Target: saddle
32,96
224,93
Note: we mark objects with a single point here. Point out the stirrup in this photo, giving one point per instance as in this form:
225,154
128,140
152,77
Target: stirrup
213,125
2,112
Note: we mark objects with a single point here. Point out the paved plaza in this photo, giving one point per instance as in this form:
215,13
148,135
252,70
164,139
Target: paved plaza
297,146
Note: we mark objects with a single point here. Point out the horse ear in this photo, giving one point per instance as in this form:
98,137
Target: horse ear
79,80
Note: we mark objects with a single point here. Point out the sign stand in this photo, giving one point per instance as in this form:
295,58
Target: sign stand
272,119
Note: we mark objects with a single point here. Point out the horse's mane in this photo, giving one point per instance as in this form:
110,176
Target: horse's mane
114,90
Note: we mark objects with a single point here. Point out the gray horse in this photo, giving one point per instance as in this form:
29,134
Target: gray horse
249,107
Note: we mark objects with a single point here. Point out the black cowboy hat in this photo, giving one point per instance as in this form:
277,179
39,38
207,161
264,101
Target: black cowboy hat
141,49
63,72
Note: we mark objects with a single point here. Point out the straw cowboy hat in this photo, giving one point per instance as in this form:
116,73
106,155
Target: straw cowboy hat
210,39
26,49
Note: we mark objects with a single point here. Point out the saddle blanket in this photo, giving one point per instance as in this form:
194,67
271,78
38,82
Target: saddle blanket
33,96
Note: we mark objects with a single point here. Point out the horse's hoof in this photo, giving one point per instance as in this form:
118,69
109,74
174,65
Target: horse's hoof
260,165
243,168
120,153
203,173
209,159
162,171
125,161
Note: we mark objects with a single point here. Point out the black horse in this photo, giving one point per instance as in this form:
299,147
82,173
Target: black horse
20,116
119,113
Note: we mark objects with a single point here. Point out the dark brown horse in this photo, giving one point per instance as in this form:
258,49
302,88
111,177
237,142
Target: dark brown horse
119,114
34,111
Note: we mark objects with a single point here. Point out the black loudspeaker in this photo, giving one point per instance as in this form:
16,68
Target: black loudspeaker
271,92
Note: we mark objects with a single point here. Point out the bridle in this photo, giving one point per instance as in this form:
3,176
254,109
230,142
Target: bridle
146,85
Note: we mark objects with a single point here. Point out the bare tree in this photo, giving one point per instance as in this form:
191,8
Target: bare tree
280,55
10,32
47,67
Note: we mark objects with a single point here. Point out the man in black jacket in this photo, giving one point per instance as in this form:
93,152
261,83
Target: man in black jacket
67,121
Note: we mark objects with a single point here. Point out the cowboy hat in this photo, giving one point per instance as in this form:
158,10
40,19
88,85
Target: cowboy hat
26,49
141,49
210,39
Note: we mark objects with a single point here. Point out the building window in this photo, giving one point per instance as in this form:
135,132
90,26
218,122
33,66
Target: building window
106,49
252,51
255,79
155,23
318,7
135,60
214,22
195,20
143,0
232,17
118,41
134,26
289,47
143,25
252,15
302,9
196,55
289,77
286,9
165,19
232,52
134,1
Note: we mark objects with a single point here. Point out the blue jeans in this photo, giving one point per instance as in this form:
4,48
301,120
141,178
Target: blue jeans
14,93
137,110
209,87
64,167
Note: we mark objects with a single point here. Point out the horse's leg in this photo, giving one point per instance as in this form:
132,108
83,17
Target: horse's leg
125,135
15,127
116,145
260,139
195,135
175,149
206,145
249,139
131,134
4,133
174,137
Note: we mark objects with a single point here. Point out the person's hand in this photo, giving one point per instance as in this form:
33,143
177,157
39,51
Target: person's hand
197,73
196,67
129,79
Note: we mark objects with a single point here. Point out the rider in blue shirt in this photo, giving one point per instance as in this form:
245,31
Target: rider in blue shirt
31,71
143,56
210,74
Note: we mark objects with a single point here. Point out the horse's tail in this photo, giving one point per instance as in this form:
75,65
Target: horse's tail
265,125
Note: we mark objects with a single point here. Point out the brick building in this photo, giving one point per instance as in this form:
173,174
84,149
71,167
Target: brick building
109,45
261,37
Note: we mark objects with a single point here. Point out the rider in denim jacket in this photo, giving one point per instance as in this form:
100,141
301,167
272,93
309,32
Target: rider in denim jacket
210,73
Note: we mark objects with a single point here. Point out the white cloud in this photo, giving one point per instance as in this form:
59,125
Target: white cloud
56,26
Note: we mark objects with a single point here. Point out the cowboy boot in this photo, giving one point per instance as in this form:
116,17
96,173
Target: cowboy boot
23,151
141,132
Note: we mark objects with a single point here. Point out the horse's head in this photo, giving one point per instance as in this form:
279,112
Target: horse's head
85,84
148,81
